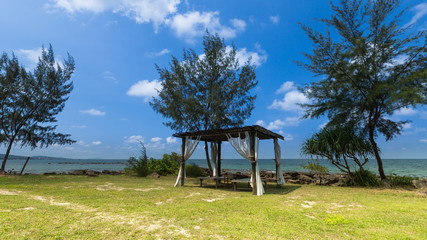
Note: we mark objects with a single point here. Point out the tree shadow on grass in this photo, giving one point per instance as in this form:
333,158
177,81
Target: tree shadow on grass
243,187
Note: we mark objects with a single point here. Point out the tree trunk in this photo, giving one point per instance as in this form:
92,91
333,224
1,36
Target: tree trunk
3,166
378,157
207,159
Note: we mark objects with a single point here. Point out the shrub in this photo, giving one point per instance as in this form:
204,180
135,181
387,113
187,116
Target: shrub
168,165
315,167
193,170
138,166
401,180
365,178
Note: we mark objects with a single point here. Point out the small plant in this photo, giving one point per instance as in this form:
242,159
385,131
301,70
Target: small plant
138,166
193,170
315,167
401,180
364,178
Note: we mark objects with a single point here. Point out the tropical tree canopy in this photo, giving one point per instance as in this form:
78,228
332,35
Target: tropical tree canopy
370,67
30,101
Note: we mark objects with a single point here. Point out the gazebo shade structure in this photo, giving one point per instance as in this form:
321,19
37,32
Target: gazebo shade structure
220,135
216,135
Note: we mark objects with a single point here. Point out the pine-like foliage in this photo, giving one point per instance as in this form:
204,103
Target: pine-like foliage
371,67
30,101
208,91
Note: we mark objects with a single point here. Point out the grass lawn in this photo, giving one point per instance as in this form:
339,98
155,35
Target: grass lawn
123,207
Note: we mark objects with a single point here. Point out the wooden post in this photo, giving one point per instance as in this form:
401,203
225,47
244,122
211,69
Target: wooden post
252,156
28,158
219,159
275,142
183,162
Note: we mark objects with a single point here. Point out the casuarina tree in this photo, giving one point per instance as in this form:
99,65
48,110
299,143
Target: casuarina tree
370,66
30,101
207,91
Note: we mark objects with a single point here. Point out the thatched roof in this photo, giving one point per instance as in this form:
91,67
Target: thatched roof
220,134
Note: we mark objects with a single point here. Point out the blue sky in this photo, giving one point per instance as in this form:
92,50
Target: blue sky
116,44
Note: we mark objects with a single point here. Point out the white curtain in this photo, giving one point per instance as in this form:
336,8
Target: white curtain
214,156
242,146
277,153
190,146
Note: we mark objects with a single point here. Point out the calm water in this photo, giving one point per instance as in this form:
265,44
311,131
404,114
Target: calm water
408,167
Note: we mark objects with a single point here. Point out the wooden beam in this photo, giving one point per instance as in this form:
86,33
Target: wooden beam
253,163
182,162
219,159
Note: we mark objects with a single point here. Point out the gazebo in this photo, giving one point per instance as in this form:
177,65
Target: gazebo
243,139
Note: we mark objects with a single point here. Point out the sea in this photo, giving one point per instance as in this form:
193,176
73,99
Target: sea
401,167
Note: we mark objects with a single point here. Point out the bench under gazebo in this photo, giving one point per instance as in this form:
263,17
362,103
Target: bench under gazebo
245,140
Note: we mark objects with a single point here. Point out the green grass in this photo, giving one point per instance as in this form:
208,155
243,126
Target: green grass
123,207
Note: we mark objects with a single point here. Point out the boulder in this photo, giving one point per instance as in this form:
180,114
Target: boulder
421,183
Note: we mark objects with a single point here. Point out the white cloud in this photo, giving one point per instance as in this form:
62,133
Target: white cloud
290,101
160,53
423,140
420,10
257,58
275,19
110,77
286,86
156,139
96,143
261,123
79,126
171,140
323,125
194,24
405,112
407,126
29,57
93,112
145,88
279,124
134,139
239,24
141,11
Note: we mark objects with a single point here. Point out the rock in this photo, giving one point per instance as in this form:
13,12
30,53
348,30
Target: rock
305,179
78,172
421,183
293,174
154,175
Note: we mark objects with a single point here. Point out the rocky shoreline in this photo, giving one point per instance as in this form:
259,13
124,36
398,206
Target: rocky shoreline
326,179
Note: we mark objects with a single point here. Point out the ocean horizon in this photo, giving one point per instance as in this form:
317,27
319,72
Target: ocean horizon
401,167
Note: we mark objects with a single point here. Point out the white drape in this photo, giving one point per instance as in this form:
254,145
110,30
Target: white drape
277,153
214,156
190,146
242,146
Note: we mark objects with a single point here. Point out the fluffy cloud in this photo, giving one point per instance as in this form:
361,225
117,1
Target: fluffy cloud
423,140
134,139
29,57
279,124
286,86
79,126
275,19
93,112
405,112
96,143
290,101
256,58
420,10
194,24
160,53
171,140
145,88
292,97
141,11
156,139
